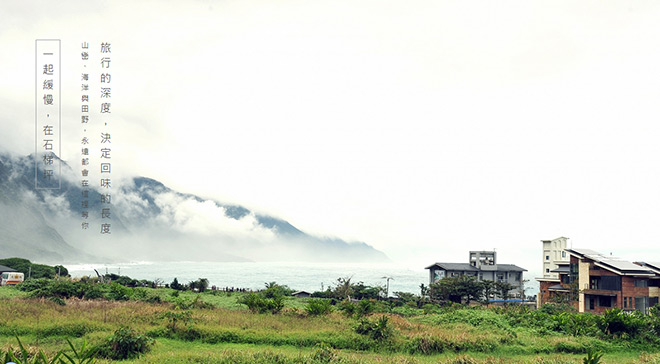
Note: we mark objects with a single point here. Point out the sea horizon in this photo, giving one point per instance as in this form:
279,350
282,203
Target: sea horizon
308,277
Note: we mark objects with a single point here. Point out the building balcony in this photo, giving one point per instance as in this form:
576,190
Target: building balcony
600,292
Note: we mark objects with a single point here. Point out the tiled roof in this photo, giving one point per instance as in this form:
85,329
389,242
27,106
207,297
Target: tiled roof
485,268
454,266
503,268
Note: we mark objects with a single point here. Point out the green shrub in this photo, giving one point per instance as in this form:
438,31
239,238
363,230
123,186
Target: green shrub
23,356
274,290
257,303
618,322
318,306
426,344
84,355
593,357
176,317
463,359
364,307
324,353
125,343
117,292
379,330
348,307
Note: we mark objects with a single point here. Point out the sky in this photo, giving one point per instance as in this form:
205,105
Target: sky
425,129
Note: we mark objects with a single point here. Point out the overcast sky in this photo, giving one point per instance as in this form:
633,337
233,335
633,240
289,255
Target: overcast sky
424,128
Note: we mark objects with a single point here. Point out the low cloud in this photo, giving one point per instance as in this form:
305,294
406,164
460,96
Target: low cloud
189,215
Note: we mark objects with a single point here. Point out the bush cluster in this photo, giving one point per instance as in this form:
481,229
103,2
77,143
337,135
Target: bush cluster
634,326
377,329
258,302
318,306
59,290
125,343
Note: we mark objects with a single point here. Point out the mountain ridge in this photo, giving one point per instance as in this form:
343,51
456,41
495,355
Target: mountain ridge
150,221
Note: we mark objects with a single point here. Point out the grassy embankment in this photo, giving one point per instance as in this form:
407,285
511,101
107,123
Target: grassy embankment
215,328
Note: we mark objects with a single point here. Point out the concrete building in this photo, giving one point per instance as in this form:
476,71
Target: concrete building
483,266
554,254
555,259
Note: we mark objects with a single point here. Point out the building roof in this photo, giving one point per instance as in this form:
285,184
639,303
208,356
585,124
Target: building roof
558,287
561,237
6,269
485,268
579,252
502,268
654,266
562,269
613,264
454,266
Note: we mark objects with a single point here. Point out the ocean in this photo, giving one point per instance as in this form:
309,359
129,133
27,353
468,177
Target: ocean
298,276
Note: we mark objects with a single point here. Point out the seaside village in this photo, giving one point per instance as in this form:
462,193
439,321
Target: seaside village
587,280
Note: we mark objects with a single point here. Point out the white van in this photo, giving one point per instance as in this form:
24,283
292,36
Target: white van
11,278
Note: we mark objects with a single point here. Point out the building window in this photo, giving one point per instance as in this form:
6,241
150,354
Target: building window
605,301
547,257
611,283
547,270
563,254
641,283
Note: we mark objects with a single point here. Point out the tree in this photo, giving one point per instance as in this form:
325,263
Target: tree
273,289
362,291
470,288
343,288
200,285
489,288
447,289
176,285
458,289
522,288
503,289
424,290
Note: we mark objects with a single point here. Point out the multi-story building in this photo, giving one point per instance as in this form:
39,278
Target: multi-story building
593,282
554,254
483,266
555,259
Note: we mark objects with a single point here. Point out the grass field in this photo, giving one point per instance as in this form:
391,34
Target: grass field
223,331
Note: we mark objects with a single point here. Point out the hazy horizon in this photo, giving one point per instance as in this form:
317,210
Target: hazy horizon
425,130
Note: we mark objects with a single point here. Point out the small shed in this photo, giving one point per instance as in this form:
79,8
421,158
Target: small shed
301,294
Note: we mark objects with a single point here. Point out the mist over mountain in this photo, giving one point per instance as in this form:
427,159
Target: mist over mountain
149,222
